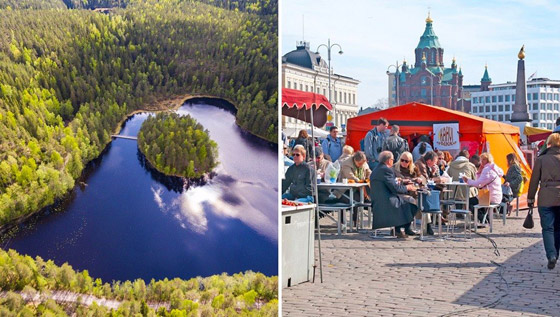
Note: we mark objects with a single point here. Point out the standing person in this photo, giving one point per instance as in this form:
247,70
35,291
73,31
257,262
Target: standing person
331,145
390,209
422,147
547,172
373,142
297,184
303,139
395,143
514,176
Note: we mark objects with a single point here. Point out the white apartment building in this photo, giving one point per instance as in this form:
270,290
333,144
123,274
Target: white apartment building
542,102
305,70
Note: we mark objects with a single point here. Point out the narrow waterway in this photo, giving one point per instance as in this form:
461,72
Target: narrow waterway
126,221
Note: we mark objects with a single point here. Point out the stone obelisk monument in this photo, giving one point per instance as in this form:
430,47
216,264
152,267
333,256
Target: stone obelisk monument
520,117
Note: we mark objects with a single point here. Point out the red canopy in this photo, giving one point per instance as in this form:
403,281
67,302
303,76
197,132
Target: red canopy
297,104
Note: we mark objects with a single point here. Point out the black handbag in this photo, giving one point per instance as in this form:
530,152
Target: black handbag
529,223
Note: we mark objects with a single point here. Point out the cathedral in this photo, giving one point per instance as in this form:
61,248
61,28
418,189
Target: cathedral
428,81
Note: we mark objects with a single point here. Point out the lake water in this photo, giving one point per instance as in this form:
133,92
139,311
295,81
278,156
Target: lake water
126,221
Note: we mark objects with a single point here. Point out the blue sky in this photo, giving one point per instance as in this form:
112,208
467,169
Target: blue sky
375,34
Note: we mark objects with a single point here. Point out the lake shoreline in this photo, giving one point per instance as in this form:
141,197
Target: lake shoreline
166,104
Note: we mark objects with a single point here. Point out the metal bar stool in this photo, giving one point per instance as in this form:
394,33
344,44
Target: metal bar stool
490,213
341,209
453,221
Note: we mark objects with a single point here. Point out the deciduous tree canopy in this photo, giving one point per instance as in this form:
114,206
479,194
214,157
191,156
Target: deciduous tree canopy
226,295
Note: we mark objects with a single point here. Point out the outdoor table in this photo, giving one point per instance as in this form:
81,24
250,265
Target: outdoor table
346,187
298,243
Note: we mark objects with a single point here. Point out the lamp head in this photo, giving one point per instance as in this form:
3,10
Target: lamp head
340,52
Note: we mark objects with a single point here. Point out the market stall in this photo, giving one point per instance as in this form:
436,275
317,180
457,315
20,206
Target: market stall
474,133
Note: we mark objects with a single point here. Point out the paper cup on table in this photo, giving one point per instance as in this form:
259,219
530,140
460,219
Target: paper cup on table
345,181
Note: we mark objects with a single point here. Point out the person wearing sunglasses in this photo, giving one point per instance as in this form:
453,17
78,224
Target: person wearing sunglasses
408,173
297,184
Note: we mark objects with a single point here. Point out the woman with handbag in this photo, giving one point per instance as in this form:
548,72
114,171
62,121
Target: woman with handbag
513,180
488,181
546,172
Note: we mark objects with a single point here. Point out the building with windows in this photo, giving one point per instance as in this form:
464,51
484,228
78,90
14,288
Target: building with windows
305,70
497,101
428,80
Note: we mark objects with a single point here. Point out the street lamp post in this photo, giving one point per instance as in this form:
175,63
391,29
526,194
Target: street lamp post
329,46
396,79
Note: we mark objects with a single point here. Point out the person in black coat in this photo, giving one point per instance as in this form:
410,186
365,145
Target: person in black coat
297,184
390,209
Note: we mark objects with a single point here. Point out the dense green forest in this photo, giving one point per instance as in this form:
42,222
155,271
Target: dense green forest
225,295
177,145
68,77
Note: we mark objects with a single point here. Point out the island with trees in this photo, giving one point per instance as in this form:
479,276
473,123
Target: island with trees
177,145
70,75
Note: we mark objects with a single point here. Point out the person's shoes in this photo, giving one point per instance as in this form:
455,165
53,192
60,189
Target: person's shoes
429,230
409,232
551,263
401,235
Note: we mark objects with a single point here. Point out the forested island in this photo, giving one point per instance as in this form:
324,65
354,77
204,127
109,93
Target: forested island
70,75
21,277
177,145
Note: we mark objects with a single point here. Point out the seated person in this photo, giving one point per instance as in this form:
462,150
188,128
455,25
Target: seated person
390,209
461,165
287,160
347,152
357,170
427,165
320,164
407,171
297,184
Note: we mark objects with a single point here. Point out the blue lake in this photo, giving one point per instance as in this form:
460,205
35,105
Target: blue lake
125,222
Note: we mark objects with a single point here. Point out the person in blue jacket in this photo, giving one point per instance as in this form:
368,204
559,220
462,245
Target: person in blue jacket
332,146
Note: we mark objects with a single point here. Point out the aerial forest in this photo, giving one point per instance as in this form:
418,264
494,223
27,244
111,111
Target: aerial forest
177,145
70,75
21,277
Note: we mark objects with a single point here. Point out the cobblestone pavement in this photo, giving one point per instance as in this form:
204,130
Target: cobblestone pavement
390,277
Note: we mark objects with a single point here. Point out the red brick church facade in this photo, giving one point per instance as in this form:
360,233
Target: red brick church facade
429,81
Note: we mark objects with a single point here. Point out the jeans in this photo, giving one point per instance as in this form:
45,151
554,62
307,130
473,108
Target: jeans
550,223
308,199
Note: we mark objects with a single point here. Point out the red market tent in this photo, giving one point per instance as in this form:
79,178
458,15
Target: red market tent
416,119
297,104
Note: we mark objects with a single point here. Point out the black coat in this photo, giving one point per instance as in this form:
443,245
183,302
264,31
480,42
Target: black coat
389,209
298,180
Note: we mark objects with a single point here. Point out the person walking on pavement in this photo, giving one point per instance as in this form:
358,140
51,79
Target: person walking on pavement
331,145
547,173
373,142
395,143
